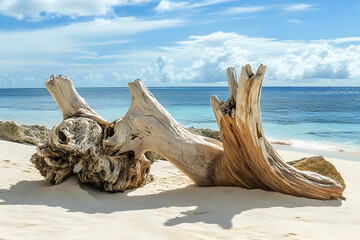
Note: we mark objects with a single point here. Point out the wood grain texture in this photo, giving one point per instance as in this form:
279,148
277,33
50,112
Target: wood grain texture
249,159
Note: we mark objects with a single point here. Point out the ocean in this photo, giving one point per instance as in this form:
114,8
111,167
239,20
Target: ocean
322,118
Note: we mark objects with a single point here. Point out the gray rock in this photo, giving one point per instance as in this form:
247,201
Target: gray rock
10,131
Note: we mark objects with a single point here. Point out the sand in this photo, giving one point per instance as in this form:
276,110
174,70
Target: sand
171,207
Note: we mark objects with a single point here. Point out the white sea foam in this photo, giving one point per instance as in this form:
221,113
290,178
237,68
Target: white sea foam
314,145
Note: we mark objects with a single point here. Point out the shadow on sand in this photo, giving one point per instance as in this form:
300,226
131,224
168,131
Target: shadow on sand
213,205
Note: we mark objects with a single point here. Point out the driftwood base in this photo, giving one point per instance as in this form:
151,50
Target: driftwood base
75,147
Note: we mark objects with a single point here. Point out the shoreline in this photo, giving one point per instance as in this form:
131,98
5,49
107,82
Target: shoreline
348,156
170,207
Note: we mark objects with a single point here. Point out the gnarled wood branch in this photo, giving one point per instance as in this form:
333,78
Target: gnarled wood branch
71,104
147,126
110,155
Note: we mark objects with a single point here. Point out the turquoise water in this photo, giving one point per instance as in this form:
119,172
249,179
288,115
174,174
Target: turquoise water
312,117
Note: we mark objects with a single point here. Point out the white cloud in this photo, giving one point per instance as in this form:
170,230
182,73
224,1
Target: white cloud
345,40
62,49
317,61
77,37
162,71
289,62
167,5
298,7
95,78
200,60
249,9
39,9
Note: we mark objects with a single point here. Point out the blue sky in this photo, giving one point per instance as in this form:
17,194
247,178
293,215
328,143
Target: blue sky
178,43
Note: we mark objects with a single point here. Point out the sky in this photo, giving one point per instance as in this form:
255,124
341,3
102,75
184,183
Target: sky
108,43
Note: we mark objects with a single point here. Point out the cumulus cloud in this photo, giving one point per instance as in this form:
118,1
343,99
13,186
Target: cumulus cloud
202,60
289,62
165,6
39,9
317,61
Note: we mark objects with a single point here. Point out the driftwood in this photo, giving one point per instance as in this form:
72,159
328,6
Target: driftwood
76,146
111,155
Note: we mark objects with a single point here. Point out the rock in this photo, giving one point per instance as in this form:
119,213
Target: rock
207,132
319,165
10,131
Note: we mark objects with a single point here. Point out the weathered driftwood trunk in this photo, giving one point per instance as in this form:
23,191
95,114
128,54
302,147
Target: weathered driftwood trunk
249,160
110,155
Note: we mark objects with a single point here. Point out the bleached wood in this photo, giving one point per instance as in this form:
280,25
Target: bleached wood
249,159
147,126
232,81
69,101
110,155
75,146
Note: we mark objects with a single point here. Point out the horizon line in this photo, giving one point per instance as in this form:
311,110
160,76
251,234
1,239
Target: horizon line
186,87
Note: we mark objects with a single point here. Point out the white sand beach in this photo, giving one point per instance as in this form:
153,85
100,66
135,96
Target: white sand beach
171,207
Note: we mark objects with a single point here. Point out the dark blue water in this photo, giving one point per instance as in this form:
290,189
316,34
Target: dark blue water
323,117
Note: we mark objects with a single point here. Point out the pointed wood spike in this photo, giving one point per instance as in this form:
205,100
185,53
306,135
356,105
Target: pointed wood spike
260,71
71,104
232,82
243,77
249,71
216,104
